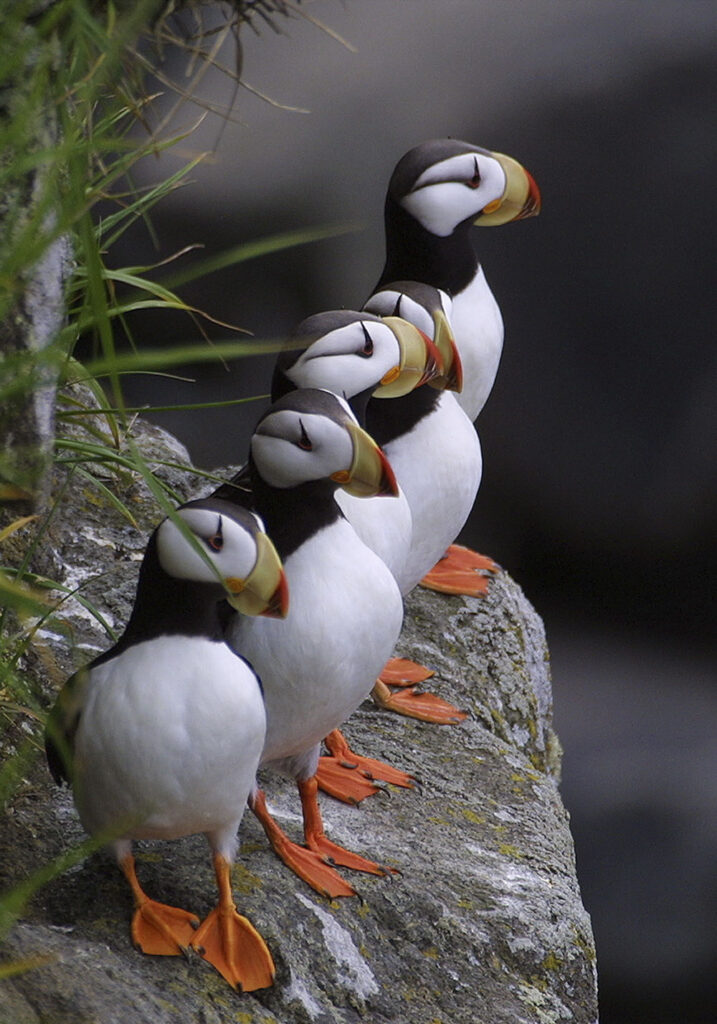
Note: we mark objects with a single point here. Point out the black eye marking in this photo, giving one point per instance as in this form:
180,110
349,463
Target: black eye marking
397,307
367,349
474,182
216,542
305,440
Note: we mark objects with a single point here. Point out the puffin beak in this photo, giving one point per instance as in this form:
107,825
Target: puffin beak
370,473
520,199
265,590
420,360
452,377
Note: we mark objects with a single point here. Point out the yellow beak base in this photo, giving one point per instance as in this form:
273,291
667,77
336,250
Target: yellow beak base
419,360
520,199
264,591
370,473
452,377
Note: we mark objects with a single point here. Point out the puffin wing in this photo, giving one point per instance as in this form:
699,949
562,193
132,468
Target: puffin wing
62,724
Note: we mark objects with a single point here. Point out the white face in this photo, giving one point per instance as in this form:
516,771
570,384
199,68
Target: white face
394,303
291,448
348,360
231,548
453,190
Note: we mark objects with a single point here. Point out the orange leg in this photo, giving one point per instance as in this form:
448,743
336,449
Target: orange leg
307,864
317,841
156,928
459,572
349,776
230,942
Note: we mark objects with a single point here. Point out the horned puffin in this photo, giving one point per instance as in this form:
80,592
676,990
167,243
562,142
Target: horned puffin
361,356
161,735
346,608
380,363
437,191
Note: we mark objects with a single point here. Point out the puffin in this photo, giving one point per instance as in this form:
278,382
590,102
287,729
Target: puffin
161,735
437,191
361,356
319,663
380,367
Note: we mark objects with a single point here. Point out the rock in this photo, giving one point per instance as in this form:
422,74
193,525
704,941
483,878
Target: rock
484,920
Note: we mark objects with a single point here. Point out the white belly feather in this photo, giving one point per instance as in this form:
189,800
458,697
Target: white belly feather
319,663
438,465
169,740
478,329
383,524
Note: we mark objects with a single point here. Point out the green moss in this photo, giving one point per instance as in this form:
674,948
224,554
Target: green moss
244,881
586,947
508,850
469,815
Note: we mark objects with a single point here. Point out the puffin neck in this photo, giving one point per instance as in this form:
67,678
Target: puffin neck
389,419
166,606
280,384
294,514
415,254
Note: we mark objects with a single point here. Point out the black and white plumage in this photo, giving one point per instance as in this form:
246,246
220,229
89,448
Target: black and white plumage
161,735
346,609
437,450
366,359
436,192
429,440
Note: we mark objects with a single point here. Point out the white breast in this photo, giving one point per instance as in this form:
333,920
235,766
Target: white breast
438,465
478,329
169,740
319,663
383,524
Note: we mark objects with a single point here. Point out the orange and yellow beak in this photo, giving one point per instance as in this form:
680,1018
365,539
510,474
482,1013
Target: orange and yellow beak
520,199
370,473
420,360
265,590
452,377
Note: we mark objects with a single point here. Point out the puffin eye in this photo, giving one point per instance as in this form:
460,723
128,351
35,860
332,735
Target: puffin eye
474,182
304,441
216,541
367,349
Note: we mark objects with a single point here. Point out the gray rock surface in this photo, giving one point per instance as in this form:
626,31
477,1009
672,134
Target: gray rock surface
484,923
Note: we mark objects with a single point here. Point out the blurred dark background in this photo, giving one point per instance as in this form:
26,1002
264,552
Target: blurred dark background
599,438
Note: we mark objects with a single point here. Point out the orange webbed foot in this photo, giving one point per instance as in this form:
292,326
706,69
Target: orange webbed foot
342,781
160,930
231,944
424,706
345,858
316,839
350,777
403,672
157,929
459,572
307,864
